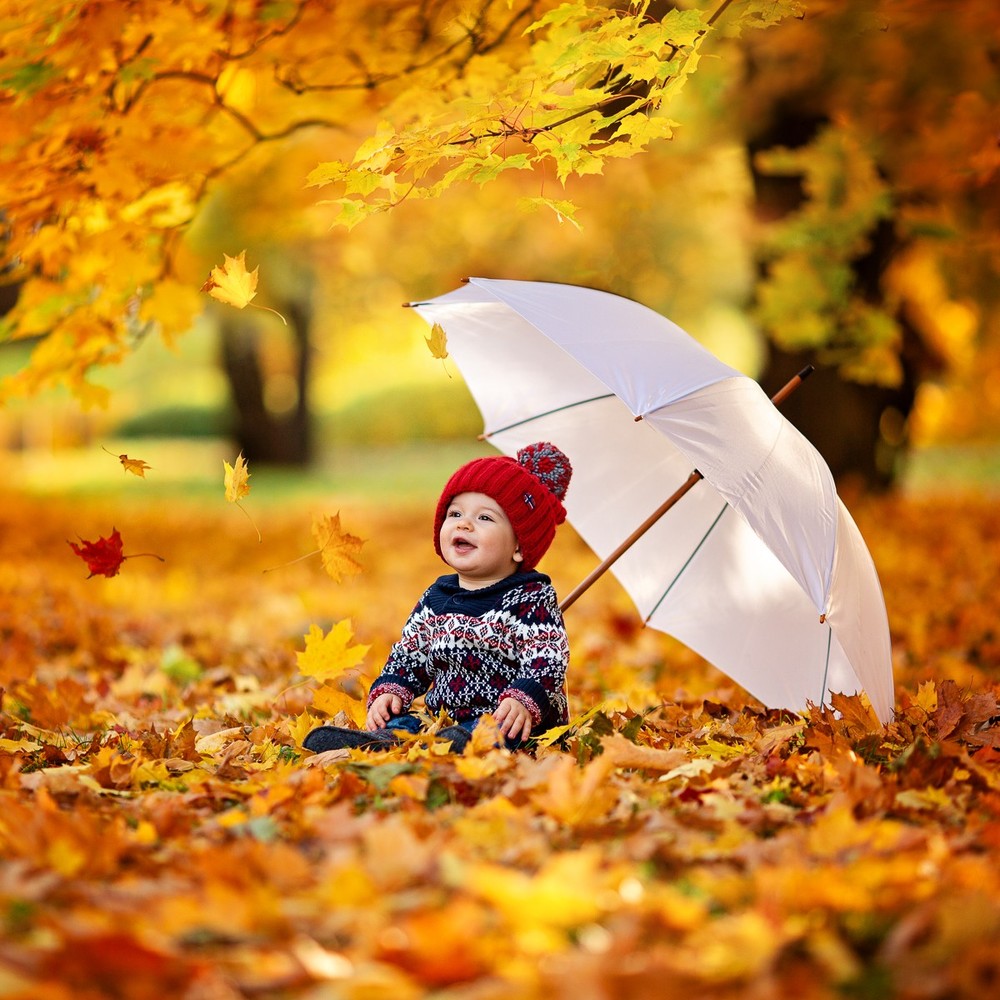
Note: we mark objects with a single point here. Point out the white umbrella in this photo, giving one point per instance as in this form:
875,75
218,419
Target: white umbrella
761,569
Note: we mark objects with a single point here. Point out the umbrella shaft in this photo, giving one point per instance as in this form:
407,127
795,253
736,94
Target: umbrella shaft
778,398
695,477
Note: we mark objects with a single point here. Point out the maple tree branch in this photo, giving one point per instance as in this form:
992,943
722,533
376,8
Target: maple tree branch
371,81
528,134
268,36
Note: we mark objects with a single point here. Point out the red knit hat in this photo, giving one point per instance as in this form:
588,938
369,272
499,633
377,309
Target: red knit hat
530,490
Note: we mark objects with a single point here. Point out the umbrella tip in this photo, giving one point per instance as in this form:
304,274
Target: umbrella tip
807,371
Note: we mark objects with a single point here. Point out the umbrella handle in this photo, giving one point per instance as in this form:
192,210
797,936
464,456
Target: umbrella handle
778,398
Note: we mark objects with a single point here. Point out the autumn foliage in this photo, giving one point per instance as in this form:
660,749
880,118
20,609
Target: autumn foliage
162,833
130,118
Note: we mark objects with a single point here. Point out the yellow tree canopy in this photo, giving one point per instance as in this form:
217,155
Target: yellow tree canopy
117,119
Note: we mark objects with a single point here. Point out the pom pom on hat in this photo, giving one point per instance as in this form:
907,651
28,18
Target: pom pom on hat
530,489
547,463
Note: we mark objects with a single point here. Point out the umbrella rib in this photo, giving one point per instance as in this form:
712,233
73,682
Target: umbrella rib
826,666
687,562
548,413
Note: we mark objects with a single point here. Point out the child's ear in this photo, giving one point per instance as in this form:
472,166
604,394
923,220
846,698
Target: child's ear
517,555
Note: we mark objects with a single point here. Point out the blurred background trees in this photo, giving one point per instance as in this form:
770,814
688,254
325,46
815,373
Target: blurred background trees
828,192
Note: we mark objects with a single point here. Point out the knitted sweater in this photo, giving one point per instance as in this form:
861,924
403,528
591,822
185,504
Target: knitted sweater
467,650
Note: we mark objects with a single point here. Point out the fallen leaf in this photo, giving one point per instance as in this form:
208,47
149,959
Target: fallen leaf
624,753
578,796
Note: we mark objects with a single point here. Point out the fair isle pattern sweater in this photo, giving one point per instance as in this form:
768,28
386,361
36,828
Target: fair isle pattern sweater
467,650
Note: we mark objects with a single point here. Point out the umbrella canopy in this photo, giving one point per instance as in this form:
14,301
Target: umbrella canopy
761,569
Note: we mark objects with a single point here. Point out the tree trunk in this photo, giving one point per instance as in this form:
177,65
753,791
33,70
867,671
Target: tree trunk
278,438
861,430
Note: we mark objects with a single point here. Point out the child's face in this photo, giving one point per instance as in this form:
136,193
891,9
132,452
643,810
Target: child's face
477,541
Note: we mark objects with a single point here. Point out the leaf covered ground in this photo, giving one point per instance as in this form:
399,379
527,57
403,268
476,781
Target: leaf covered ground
163,834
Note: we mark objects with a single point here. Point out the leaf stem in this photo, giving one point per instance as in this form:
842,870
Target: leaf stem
250,519
253,305
292,562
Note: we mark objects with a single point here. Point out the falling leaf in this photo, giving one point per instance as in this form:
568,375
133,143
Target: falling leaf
105,556
438,342
238,486
338,549
234,285
237,476
134,465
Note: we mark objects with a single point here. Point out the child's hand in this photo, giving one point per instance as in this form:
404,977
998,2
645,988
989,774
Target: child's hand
513,718
382,709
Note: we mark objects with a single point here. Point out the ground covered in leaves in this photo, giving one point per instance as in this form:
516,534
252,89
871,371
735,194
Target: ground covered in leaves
163,834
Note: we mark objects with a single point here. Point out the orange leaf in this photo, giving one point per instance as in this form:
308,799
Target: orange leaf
337,547
578,797
624,753
134,465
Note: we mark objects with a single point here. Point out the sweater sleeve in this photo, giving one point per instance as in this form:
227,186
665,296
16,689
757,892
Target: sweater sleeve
543,653
406,669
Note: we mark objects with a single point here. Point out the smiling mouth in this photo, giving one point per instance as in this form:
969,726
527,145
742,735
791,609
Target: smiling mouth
463,545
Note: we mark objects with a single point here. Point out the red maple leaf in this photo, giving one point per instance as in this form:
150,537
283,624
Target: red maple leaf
105,556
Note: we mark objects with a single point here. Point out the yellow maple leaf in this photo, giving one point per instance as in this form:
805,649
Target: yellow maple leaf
236,479
438,342
234,285
327,657
927,697
238,487
337,547
301,726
